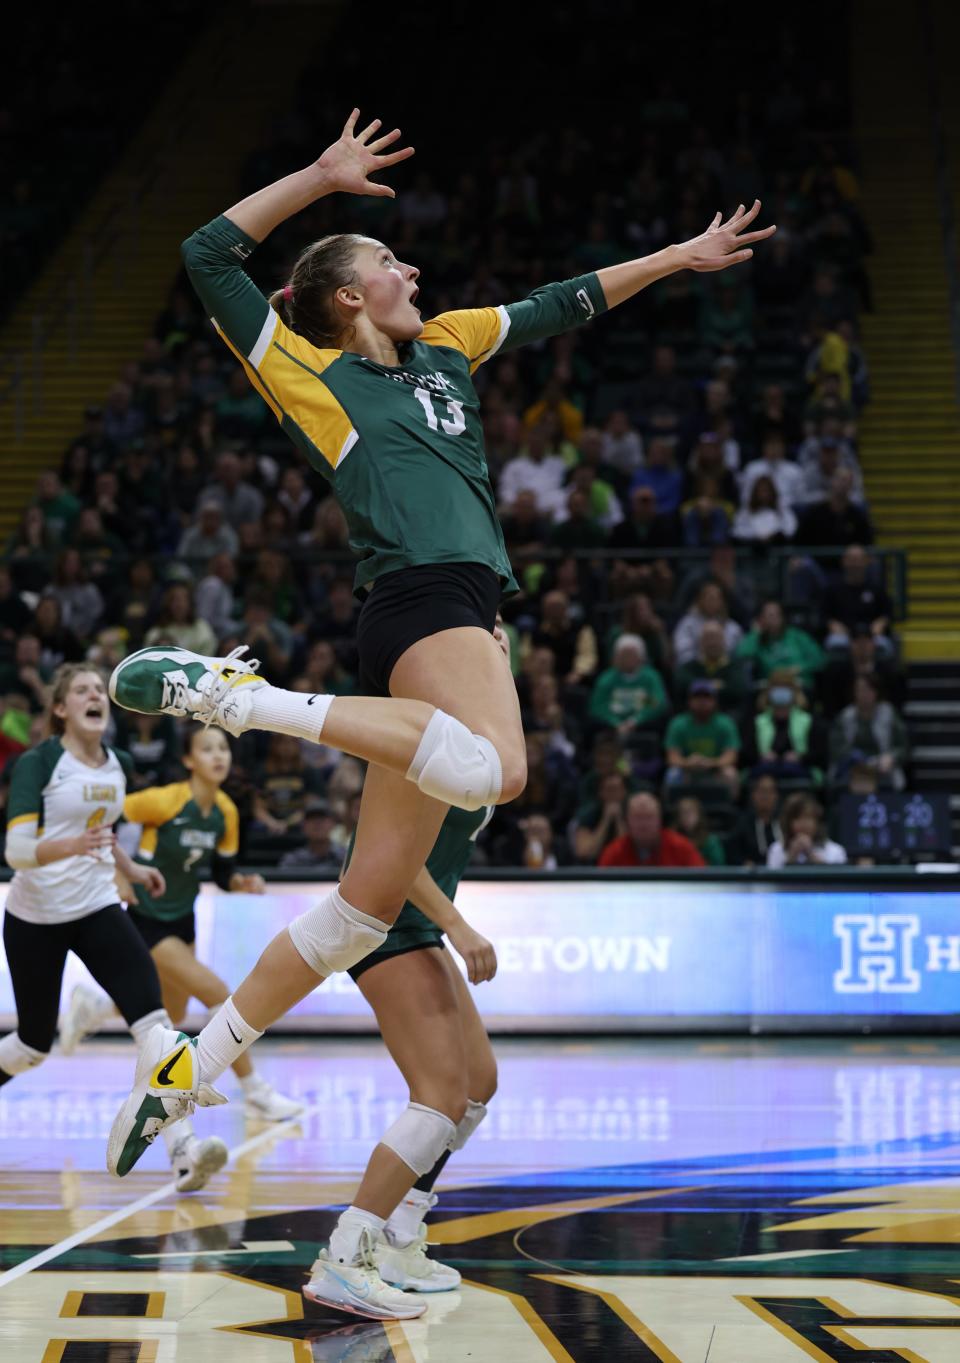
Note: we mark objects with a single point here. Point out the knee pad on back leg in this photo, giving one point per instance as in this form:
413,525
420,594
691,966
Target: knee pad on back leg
456,766
16,1056
419,1136
334,935
468,1123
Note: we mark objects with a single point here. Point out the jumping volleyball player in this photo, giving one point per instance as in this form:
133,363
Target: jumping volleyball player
65,796
190,833
383,404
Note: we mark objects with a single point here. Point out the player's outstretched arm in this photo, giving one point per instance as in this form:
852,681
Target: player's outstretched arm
723,244
345,168
213,255
553,308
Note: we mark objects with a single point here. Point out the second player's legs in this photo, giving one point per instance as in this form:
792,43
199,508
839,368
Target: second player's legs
119,960
36,954
481,1062
183,977
417,1011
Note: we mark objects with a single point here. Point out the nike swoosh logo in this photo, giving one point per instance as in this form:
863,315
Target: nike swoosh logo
163,1076
312,699
237,1039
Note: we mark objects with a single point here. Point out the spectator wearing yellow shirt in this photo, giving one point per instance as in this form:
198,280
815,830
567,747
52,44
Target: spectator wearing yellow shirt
553,400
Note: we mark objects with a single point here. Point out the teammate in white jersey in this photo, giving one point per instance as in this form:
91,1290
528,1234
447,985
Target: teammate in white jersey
65,797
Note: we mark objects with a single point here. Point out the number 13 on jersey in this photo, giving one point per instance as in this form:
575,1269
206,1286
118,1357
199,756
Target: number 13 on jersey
456,422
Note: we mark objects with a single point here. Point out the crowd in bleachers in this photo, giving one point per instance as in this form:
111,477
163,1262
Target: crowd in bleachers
704,642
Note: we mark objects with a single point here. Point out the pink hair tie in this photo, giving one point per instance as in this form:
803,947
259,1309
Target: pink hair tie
287,292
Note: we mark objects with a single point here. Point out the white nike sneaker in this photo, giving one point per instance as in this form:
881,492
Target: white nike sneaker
195,1161
264,1102
83,1015
411,1269
358,1287
166,1087
175,681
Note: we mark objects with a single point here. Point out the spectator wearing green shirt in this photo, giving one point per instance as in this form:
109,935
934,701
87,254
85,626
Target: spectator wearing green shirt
603,504
714,664
774,646
701,743
690,820
601,820
630,695
60,508
784,740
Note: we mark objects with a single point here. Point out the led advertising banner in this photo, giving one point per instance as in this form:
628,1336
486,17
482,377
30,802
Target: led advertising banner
625,955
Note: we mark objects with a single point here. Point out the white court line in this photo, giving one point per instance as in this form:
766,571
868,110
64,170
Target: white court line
784,1254
245,1247
148,1199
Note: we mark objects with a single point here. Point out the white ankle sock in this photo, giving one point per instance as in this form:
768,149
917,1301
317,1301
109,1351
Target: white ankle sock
403,1224
345,1240
225,1038
140,1028
288,712
179,1131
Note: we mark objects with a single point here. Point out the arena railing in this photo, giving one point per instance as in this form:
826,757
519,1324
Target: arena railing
775,563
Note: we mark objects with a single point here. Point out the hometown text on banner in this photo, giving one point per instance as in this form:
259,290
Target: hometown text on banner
579,953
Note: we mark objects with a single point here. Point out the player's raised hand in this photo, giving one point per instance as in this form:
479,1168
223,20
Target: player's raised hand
348,162
725,243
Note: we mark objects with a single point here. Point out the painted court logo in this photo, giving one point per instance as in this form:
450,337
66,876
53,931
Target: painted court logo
876,953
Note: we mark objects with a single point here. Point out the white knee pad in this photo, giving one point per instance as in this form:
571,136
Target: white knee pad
468,1123
419,1136
456,766
16,1056
334,935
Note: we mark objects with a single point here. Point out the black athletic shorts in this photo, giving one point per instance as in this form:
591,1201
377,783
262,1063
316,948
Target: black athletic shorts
412,603
397,944
154,930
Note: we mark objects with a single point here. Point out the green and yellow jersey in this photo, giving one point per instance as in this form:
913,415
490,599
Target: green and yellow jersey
182,842
402,445
446,863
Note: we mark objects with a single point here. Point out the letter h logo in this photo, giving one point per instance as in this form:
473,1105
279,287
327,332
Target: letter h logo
876,953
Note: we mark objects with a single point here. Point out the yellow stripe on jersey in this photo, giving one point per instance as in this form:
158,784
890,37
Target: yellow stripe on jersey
254,377
155,806
292,367
477,333
22,818
229,844
284,368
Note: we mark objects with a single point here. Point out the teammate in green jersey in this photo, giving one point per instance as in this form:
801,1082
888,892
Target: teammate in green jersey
384,404
190,834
